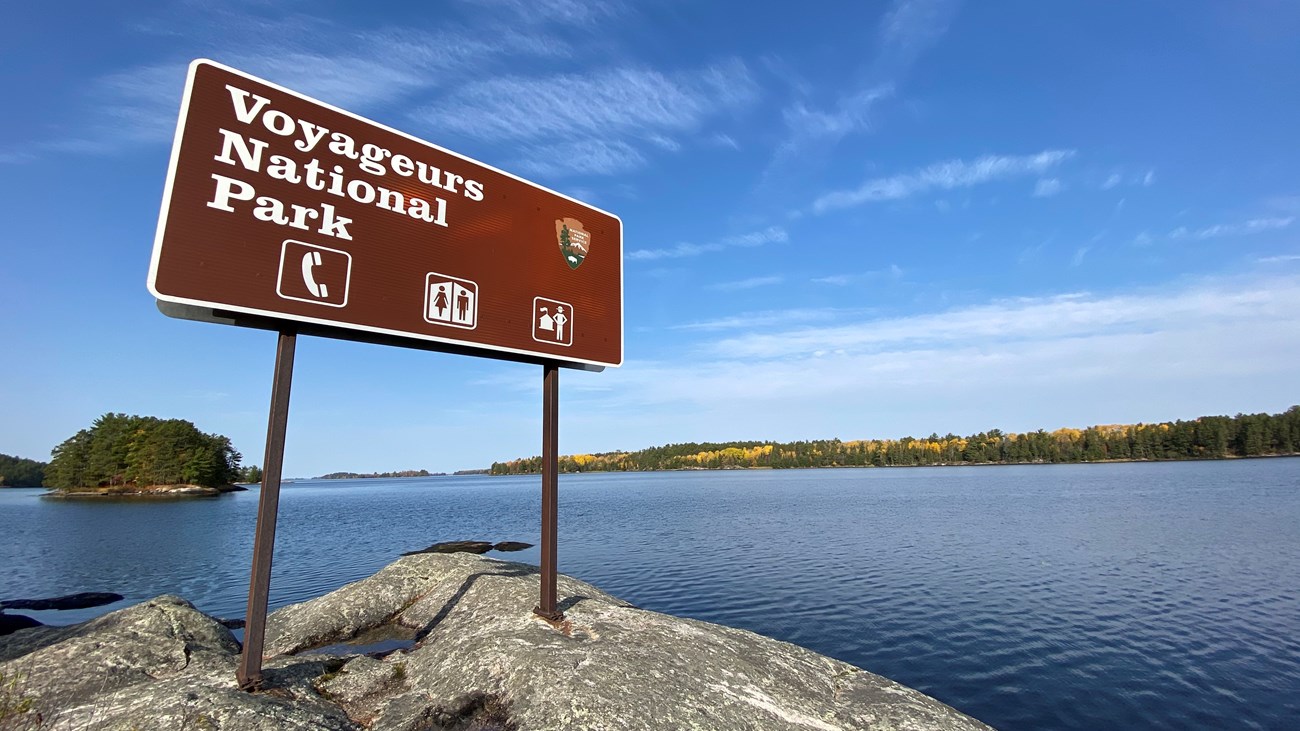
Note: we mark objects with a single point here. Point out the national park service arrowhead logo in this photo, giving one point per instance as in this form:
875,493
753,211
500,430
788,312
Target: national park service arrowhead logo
575,242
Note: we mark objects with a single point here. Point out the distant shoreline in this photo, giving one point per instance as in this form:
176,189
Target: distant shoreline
739,468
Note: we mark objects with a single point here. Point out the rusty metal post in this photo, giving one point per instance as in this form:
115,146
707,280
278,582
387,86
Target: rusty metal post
249,674
550,488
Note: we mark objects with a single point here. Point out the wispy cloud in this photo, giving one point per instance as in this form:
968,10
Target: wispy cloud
562,12
1047,187
1079,254
357,68
1253,226
607,103
610,109
843,279
724,140
1288,204
905,31
1062,316
594,157
751,283
839,280
943,176
1280,259
1065,359
1120,177
773,234
908,29
767,319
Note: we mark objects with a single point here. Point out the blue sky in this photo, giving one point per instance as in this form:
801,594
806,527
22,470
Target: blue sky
855,220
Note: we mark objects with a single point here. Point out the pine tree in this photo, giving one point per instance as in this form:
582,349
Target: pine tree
566,244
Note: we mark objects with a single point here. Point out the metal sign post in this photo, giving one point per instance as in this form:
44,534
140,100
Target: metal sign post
550,488
249,673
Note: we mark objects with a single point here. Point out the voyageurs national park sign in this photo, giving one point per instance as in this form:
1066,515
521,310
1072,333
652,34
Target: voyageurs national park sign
279,206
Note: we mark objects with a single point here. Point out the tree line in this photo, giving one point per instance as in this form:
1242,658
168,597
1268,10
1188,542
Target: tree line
1209,437
371,475
20,472
120,450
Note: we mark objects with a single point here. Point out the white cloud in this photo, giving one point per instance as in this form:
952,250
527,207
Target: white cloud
943,176
751,283
346,66
1280,259
1064,316
905,31
561,12
608,102
724,140
909,28
1289,204
773,234
608,108
754,320
1079,254
1047,187
594,157
1253,226
1212,346
839,280
1121,177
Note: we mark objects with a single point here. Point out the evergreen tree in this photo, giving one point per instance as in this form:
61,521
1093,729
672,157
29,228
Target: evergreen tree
20,472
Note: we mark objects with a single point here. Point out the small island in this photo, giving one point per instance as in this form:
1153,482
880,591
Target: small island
144,456
373,475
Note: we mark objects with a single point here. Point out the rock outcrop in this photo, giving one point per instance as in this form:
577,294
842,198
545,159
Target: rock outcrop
469,654
147,491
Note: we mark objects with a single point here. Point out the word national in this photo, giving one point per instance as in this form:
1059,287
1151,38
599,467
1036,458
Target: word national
243,150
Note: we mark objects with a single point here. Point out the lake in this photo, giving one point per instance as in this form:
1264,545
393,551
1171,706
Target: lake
1144,595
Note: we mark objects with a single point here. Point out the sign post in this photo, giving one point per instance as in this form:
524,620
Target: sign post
550,488
249,673
284,213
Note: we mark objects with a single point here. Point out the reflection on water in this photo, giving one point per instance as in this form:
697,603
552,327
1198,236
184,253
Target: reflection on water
1090,596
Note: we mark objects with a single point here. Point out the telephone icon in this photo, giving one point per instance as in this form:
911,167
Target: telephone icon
310,261
315,274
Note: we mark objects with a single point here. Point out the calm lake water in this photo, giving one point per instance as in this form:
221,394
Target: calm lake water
1033,597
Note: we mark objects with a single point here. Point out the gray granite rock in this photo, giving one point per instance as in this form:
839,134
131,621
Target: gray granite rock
480,660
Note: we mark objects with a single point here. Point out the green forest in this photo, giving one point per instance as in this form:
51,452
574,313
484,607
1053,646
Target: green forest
19,472
121,450
1209,437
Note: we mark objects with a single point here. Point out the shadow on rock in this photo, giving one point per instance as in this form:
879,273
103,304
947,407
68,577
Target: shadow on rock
460,594
471,712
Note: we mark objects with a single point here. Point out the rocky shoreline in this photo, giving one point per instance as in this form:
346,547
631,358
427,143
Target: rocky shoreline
146,491
445,641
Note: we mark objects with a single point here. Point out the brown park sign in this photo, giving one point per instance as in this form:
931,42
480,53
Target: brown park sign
279,206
